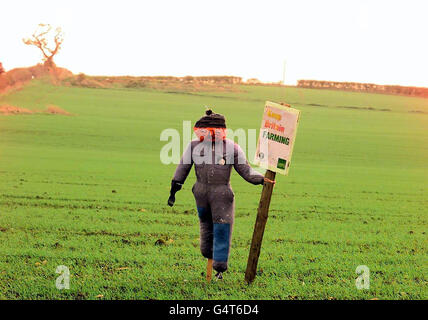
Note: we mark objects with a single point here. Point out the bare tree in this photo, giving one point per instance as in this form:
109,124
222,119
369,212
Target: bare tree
40,40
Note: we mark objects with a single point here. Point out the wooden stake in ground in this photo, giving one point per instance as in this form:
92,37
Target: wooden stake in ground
209,269
259,228
274,149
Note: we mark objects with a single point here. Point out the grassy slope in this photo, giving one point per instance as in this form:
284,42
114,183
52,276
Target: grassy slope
356,195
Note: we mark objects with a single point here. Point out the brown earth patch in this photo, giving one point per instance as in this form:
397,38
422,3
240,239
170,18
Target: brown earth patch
9,88
52,109
13,110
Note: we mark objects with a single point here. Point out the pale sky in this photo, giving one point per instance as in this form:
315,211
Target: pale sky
376,41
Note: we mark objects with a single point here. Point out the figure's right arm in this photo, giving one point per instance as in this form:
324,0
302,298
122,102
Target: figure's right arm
184,166
181,173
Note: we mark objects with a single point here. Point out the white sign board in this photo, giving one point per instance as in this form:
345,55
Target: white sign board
276,139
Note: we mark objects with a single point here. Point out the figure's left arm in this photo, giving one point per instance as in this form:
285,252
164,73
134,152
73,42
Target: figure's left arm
242,166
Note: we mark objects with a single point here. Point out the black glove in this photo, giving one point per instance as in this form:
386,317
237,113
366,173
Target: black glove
175,186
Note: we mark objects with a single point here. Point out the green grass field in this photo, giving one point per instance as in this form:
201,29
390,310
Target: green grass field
356,195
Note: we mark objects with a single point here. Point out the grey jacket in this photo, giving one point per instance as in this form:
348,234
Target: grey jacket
213,163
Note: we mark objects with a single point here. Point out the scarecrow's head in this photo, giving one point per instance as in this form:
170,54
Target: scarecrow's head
211,127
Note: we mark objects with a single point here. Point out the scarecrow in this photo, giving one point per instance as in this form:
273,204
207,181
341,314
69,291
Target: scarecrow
213,156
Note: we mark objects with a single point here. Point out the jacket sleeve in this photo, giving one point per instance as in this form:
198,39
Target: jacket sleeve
184,166
243,168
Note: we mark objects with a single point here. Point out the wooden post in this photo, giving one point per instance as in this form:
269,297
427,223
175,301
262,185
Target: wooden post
209,269
259,228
